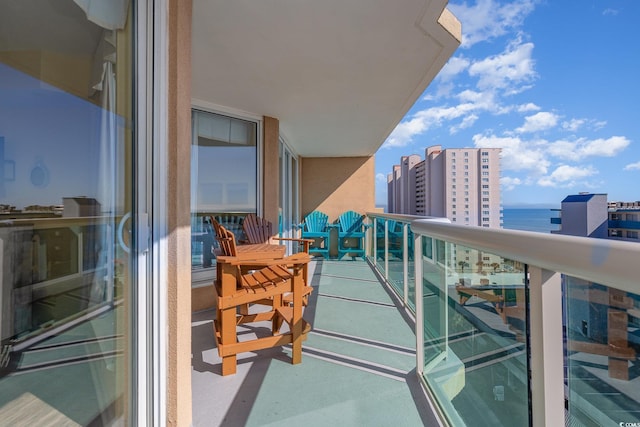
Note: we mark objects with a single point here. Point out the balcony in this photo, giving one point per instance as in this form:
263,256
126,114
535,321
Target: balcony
469,345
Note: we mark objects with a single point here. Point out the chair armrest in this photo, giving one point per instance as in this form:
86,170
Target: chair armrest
305,242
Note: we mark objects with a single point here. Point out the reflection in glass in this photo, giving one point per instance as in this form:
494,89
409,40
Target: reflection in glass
602,327
475,335
65,126
223,179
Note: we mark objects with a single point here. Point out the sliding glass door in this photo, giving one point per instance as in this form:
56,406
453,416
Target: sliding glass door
68,212
288,216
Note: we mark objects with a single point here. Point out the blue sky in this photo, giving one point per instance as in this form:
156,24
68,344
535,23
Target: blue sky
554,83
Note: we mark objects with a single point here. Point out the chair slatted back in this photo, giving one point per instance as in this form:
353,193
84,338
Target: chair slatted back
316,222
257,229
226,239
350,222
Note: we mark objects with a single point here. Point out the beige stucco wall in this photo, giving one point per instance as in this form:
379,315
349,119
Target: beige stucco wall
178,409
334,185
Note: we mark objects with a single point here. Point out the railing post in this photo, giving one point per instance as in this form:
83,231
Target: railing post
375,241
546,346
417,258
405,263
386,250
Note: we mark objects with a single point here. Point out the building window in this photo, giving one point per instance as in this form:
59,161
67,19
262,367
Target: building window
485,206
485,219
485,173
466,174
485,179
485,199
466,167
485,153
485,160
485,166
466,154
485,186
632,234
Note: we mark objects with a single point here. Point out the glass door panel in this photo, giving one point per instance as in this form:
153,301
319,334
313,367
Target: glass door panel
66,191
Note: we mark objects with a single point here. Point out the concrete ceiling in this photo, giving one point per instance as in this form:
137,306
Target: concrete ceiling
338,74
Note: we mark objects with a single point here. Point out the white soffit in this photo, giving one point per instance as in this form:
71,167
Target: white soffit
338,74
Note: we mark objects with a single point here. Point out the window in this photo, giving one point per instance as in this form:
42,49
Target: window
466,167
485,166
632,234
485,193
485,206
485,153
485,186
485,219
485,199
224,175
466,154
485,173
466,174
485,212
466,193
485,160
485,179
453,167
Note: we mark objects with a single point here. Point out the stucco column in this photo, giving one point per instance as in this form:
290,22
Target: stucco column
178,410
270,170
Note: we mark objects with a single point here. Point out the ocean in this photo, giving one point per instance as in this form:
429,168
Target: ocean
529,220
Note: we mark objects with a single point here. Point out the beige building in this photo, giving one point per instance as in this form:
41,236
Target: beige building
462,184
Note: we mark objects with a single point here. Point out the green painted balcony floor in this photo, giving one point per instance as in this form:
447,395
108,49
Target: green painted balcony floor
358,364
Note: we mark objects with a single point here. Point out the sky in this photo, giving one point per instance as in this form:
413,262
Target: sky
554,83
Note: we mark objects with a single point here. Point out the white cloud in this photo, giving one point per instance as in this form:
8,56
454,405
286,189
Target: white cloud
509,183
381,178
511,71
525,108
573,124
610,11
424,120
538,122
632,166
466,122
516,154
567,176
488,19
453,67
582,148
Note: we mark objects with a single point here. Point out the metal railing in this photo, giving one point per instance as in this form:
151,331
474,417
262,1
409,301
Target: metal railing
538,320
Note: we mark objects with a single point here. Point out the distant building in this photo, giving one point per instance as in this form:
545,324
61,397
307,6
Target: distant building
462,184
591,215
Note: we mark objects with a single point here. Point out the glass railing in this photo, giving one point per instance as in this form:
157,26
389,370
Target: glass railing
513,327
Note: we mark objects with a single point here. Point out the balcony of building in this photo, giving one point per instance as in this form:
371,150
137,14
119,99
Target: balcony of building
483,330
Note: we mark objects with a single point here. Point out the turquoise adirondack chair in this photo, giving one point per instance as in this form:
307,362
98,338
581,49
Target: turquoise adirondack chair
351,234
316,227
395,236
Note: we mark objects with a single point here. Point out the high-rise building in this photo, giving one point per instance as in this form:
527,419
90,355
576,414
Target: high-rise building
591,215
462,184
